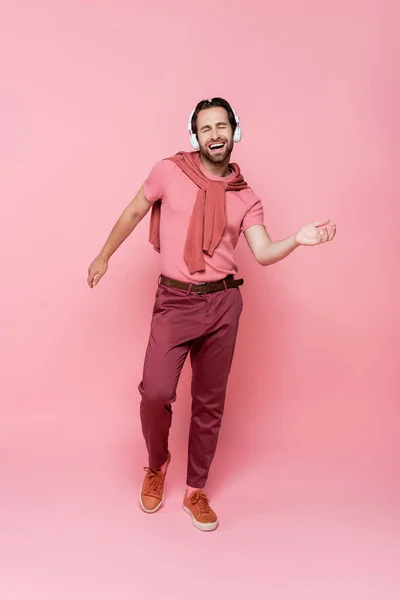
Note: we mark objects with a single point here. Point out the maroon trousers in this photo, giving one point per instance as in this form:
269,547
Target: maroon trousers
206,325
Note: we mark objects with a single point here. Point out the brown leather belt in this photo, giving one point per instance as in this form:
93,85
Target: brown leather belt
203,288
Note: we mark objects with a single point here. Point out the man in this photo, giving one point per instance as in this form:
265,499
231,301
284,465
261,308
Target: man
200,204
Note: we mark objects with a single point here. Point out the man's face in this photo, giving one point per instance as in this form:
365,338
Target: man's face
214,133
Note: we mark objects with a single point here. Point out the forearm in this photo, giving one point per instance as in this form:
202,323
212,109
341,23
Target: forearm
275,251
121,230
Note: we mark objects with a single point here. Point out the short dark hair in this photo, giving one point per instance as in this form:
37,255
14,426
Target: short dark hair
203,104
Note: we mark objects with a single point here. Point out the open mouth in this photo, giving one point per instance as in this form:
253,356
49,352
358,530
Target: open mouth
216,147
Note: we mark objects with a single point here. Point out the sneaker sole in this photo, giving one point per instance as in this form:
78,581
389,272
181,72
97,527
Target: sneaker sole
201,526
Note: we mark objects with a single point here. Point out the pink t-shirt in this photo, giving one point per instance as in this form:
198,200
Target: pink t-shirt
177,192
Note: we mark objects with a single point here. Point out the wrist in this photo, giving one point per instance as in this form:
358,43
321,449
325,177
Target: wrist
295,243
104,256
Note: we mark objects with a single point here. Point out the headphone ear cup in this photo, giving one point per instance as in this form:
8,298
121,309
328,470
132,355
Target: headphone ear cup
193,136
237,136
194,141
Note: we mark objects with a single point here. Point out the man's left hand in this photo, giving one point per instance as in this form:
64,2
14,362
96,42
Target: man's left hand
315,233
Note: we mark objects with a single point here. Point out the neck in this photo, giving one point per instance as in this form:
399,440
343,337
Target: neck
218,170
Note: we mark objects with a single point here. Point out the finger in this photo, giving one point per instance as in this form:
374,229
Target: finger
96,278
321,223
332,233
91,279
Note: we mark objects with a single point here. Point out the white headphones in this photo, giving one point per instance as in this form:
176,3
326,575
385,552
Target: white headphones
237,135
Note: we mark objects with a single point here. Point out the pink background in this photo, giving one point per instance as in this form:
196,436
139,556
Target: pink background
91,95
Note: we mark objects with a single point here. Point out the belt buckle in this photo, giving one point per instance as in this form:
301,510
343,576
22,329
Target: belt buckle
199,285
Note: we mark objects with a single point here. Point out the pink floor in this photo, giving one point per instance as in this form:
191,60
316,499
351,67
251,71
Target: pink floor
71,528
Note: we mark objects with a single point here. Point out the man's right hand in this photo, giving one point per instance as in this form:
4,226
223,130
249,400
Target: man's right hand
96,271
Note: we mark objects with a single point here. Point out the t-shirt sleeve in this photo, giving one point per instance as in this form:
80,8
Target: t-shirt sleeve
255,214
157,181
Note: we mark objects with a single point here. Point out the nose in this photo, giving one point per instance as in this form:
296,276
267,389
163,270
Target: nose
214,133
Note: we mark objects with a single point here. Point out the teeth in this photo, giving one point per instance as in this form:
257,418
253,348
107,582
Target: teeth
216,146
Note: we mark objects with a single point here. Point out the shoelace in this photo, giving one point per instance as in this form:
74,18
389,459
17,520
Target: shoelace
201,502
152,483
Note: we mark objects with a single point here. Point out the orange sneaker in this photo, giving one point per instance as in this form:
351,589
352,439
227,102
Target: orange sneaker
152,491
197,505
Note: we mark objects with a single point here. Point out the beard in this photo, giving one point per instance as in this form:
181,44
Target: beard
219,157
